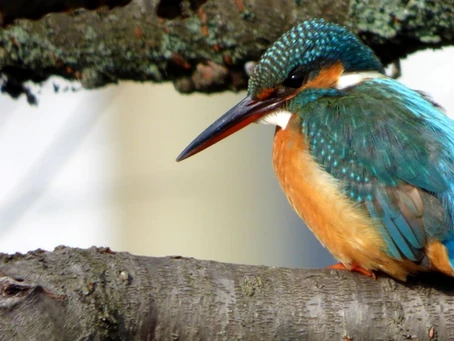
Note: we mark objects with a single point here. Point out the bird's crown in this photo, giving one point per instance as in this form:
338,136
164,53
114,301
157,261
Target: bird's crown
305,49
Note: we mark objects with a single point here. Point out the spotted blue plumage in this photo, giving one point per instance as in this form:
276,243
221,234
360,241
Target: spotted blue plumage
313,42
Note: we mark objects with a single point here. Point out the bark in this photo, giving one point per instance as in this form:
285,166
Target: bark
198,45
96,294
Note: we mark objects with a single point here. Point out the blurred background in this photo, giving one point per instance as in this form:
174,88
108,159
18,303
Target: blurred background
97,167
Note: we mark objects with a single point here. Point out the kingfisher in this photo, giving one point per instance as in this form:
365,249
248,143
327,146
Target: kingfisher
365,161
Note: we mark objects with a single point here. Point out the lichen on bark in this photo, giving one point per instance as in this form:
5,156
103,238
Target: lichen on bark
198,45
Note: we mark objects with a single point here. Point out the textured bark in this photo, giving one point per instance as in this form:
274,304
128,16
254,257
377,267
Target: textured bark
198,45
95,294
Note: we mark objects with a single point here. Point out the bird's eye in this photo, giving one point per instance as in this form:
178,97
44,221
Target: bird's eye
296,79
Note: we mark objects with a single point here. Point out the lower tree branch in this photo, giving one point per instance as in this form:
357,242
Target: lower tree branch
96,294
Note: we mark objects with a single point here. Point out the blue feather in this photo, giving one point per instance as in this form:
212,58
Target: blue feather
449,243
384,137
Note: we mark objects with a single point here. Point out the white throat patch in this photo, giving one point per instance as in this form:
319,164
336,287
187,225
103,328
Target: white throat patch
278,117
354,78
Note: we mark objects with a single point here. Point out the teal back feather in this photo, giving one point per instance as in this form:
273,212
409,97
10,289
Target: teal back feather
392,149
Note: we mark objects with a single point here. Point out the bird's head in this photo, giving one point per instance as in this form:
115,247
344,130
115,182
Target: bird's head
304,64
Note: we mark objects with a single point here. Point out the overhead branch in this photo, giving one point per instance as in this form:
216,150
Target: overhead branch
198,45
96,294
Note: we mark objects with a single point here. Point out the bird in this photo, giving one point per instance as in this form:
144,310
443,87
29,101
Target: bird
365,161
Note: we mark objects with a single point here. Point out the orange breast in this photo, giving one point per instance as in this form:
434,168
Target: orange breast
342,226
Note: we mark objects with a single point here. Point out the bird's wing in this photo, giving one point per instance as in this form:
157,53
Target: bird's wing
393,151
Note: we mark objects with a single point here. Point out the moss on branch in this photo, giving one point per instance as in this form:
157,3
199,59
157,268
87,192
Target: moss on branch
198,45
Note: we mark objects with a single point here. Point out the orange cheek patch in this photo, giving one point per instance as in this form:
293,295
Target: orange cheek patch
326,78
266,93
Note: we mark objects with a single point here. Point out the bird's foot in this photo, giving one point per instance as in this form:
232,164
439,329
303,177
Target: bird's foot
353,268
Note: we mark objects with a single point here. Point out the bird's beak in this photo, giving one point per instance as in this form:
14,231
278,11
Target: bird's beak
244,113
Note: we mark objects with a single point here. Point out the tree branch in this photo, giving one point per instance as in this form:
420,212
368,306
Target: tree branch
95,294
198,45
